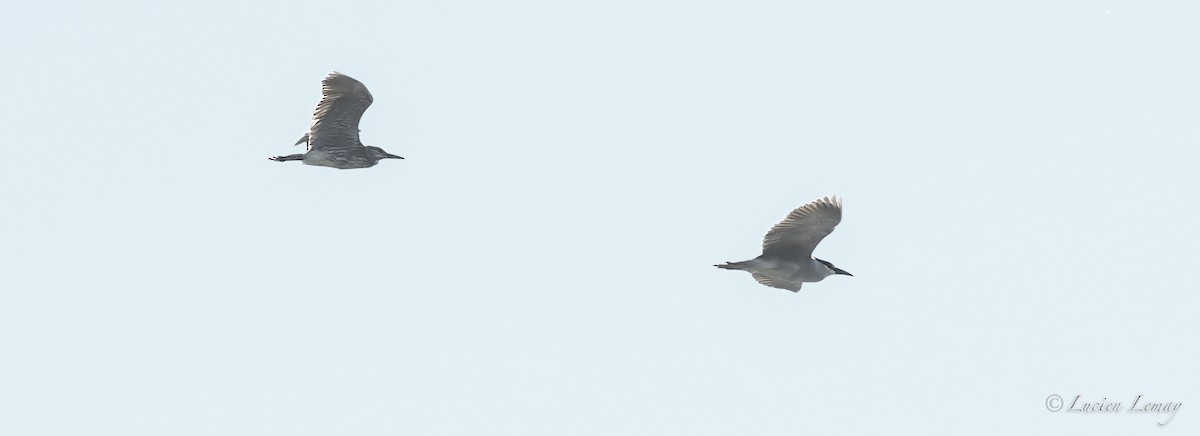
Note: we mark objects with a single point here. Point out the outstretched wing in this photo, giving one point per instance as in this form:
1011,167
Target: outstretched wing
797,235
335,122
776,283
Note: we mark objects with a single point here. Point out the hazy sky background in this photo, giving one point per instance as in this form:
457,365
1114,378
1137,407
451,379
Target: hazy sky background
1020,186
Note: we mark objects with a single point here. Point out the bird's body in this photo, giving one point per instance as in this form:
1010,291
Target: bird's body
333,139
787,261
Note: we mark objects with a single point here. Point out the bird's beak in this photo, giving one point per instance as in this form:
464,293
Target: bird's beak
842,272
392,156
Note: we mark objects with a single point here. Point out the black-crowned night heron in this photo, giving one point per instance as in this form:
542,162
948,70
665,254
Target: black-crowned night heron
333,138
786,261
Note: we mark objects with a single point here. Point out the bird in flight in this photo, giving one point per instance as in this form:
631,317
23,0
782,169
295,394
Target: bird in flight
786,261
333,137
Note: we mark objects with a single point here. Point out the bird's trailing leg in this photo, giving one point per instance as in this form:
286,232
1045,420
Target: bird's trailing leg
744,265
288,157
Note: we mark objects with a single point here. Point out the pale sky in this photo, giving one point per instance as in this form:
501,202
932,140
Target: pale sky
1019,178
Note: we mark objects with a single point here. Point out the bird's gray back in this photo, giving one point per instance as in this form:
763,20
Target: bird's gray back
355,157
797,235
335,122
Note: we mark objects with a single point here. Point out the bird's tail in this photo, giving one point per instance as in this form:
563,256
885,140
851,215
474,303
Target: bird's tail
744,265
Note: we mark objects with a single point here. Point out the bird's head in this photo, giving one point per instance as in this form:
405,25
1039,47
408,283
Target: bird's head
833,269
380,154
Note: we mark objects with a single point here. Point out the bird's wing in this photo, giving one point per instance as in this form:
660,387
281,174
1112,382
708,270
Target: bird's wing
335,122
776,283
797,235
